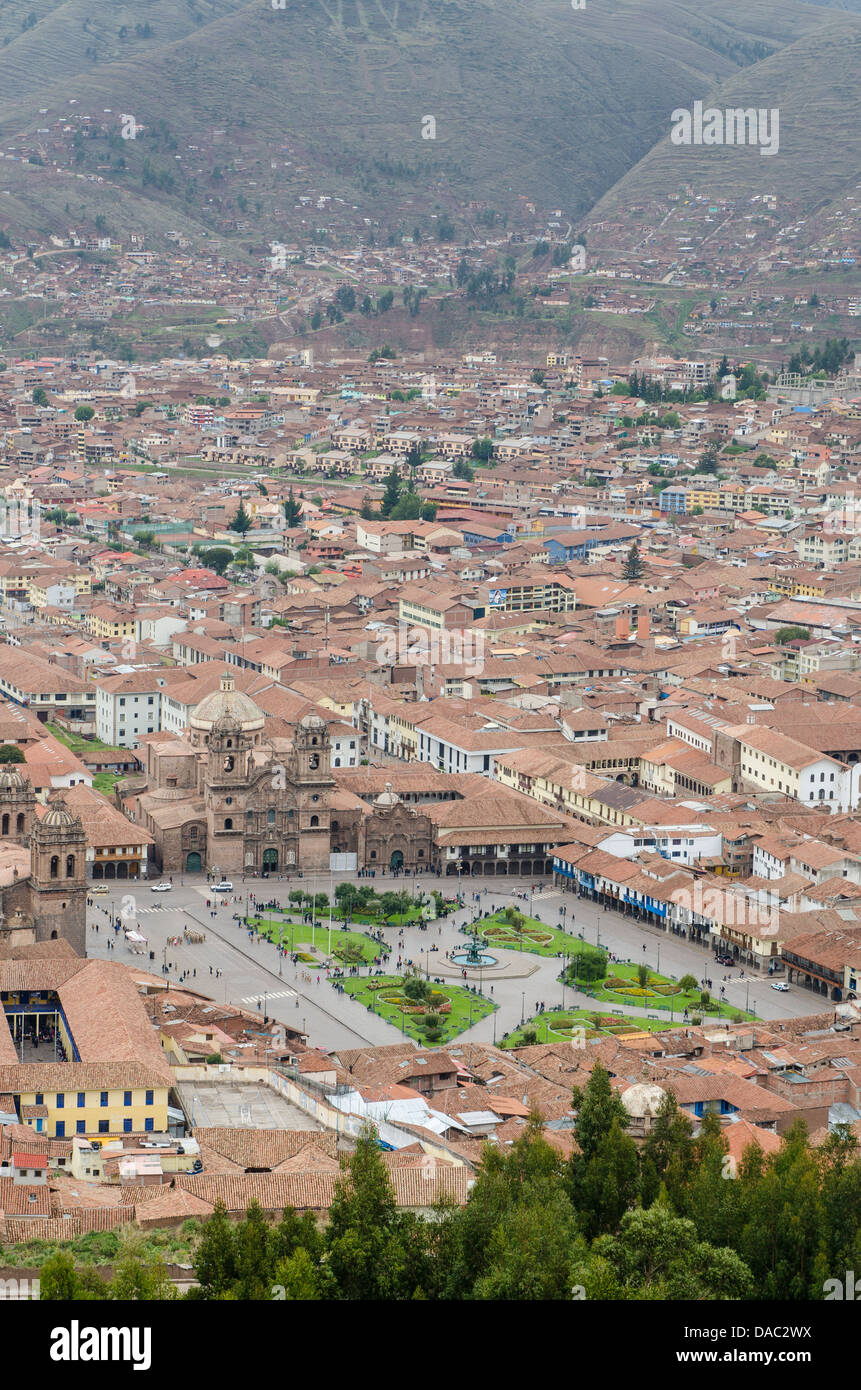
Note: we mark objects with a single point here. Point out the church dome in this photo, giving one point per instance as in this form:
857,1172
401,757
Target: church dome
641,1099
59,817
11,780
387,798
228,708
312,721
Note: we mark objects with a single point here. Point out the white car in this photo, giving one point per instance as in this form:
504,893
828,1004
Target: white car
225,886
778,984
99,888
160,888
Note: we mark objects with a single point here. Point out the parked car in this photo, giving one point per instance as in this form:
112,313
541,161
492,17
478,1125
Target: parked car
159,887
99,888
225,886
779,985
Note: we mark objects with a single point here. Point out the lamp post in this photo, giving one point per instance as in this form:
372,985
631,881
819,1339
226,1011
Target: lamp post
522,1007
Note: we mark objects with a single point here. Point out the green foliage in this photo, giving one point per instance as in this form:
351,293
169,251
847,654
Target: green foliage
241,522
673,1220
11,753
633,567
216,558
784,635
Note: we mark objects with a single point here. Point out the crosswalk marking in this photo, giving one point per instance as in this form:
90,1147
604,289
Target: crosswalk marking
255,998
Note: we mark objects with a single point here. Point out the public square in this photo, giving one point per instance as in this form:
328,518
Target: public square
253,975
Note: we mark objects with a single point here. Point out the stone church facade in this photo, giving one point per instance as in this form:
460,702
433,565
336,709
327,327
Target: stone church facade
43,890
226,798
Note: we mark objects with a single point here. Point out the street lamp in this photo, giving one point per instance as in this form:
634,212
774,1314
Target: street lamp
522,1007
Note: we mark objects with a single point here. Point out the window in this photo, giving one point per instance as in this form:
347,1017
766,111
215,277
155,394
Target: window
149,1098
55,866
40,1099
82,1100
149,1125
61,1129
315,821
61,1100
228,824
81,1127
270,817
103,1098
103,1127
127,1126
127,1098
70,866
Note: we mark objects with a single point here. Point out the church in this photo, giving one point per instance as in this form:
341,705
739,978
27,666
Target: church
231,798
43,855
227,798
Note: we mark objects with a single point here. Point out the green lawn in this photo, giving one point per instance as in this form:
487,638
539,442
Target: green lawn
556,1025
75,742
384,995
662,993
537,937
297,935
105,782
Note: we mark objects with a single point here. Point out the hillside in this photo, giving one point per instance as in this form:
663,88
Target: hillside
243,109
813,85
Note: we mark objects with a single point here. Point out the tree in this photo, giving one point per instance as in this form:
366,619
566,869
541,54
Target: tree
347,896
597,1106
292,510
642,976
407,508
785,635
40,396
687,983
241,522
482,449
11,753
216,558
462,470
58,1279
215,1257
390,904
362,1217
633,567
657,1255
84,413
417,988
392,492
138,1278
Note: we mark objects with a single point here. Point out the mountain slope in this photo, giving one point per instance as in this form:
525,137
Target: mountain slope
529,98
813,85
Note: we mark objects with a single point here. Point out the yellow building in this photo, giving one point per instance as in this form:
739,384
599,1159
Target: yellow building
105,621
116,1077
